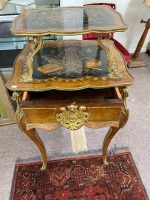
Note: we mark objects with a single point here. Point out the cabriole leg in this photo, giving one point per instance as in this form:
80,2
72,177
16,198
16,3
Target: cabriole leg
110,134
32,134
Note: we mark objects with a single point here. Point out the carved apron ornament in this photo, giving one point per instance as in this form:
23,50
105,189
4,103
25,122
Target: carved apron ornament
72,117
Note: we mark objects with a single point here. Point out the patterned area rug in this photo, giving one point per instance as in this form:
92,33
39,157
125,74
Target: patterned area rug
79,178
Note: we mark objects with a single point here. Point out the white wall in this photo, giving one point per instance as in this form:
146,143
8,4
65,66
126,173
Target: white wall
132,11
71,2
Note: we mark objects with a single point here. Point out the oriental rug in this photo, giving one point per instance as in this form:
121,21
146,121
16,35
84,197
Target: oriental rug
79,178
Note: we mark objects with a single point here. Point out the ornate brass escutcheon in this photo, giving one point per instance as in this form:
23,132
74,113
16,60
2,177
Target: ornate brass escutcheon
72,117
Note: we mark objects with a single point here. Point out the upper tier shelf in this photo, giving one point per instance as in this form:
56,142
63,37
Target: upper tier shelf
68,21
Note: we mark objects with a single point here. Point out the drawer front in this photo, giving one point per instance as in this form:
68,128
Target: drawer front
73,109
48,114
40,115
104,113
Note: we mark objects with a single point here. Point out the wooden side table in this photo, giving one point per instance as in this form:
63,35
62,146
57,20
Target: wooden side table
69,83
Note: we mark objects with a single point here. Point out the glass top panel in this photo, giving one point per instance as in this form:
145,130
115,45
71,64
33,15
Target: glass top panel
70,61
7,37
68,65
68,20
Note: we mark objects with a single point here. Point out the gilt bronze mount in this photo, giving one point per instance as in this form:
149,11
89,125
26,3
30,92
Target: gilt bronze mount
72,117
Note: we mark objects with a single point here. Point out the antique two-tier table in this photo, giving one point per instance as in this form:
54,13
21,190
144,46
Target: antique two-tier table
69,83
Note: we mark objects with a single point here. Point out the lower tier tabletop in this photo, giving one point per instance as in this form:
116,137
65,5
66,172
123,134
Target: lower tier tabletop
69,65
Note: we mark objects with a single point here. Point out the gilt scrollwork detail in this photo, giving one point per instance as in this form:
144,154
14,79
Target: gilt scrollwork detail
19,112
125,93
72,117
35,46
112,67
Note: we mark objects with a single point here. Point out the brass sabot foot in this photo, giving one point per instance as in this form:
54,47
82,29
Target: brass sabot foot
105,161
43,167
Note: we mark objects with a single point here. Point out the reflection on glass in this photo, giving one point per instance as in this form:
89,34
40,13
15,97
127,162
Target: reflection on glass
74,19
70,61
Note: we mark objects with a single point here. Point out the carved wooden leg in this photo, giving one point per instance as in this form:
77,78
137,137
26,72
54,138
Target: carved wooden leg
110,134
112,131
32,134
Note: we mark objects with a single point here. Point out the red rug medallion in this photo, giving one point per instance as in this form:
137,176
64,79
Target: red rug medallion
79,178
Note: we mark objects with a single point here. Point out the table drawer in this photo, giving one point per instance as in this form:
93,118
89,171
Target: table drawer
97,105
48,114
